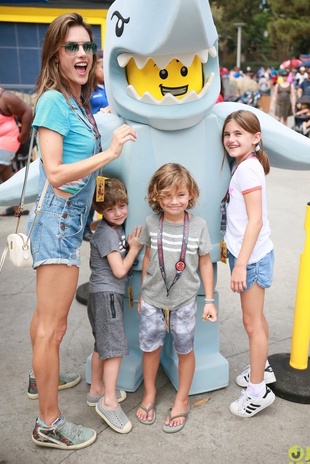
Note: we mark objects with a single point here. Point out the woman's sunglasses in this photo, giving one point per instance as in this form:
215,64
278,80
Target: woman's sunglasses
71,48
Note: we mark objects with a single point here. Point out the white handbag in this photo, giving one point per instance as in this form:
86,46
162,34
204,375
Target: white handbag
18,244
19,250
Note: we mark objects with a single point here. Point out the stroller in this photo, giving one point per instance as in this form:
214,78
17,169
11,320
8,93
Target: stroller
248,98
302,115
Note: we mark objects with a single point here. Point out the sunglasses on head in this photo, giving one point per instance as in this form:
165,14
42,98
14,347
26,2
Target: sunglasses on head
71,48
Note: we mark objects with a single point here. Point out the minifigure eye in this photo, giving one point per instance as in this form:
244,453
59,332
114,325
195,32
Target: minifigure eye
184,71
163,74
120,24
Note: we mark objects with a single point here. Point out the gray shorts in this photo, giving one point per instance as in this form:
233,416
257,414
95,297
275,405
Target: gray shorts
6,157
106,317
152,329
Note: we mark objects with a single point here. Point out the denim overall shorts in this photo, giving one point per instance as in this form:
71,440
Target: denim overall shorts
58,230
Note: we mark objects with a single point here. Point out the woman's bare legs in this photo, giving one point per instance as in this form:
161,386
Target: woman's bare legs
56,286
256,326
150,367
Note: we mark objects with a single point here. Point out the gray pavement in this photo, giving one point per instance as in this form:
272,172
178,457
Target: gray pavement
212,434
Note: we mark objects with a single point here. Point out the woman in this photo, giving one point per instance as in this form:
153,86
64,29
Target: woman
69,146
284,99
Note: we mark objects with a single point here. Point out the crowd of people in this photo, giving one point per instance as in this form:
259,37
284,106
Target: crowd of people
70,89
282,88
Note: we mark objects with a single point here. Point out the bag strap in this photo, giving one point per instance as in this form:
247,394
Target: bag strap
3,256
22,197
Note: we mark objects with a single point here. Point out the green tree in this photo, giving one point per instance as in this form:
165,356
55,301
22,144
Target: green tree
289,28
274,30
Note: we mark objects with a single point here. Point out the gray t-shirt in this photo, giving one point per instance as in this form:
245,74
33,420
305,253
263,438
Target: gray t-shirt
105,240
153,288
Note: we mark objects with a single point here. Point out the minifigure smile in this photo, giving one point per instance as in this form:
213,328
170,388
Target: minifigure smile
141,66
175,91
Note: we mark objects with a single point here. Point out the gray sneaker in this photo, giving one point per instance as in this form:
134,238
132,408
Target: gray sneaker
63,435
115,418
66,380
121,395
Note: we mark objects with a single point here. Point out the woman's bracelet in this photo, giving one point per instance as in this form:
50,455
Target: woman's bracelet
209,300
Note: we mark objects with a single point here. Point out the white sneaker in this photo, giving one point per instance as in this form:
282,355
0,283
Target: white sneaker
248,407
243,379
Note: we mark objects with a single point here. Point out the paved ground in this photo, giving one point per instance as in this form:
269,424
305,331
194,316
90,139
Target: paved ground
212,434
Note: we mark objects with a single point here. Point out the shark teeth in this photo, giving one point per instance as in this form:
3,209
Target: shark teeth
163,61
169,99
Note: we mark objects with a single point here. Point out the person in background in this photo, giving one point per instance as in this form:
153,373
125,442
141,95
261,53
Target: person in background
300,76
111,258
284,99
12,108
304,88
98,100
250,253
70,149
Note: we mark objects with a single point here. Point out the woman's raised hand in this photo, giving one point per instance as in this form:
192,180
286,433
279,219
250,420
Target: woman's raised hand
122,135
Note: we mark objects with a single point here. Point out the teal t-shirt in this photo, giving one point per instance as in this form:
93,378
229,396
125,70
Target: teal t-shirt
54,113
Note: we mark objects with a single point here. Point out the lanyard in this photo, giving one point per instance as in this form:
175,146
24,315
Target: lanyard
87,117
225,200
180,265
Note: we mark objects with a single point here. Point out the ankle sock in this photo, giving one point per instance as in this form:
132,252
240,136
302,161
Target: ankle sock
256,390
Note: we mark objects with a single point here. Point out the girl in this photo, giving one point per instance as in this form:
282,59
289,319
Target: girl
111,257
69,145
250,252
177,244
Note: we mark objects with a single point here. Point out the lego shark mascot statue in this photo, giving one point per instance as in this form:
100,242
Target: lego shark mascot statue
162,77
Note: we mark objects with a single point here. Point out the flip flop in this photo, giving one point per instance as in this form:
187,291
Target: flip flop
147,410
11,212
177,428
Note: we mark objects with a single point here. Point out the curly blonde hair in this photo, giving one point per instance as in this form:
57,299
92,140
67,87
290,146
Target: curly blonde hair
168,179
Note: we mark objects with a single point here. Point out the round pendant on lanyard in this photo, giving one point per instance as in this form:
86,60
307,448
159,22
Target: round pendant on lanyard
180,266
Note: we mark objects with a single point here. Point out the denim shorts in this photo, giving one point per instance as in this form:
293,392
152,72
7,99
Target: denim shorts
6,157
58,230
260,272
106,317
152,328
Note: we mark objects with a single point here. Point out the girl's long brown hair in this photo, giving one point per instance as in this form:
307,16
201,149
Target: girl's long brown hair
51,77
249,122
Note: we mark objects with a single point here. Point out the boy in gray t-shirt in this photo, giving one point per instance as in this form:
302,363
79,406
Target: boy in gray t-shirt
111,257
177,245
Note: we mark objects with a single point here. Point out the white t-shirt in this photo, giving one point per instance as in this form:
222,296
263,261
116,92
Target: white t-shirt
248,176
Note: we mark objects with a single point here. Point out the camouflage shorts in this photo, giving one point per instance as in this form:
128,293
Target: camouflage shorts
152,330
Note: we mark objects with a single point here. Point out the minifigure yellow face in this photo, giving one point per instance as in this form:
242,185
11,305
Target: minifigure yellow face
175,78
